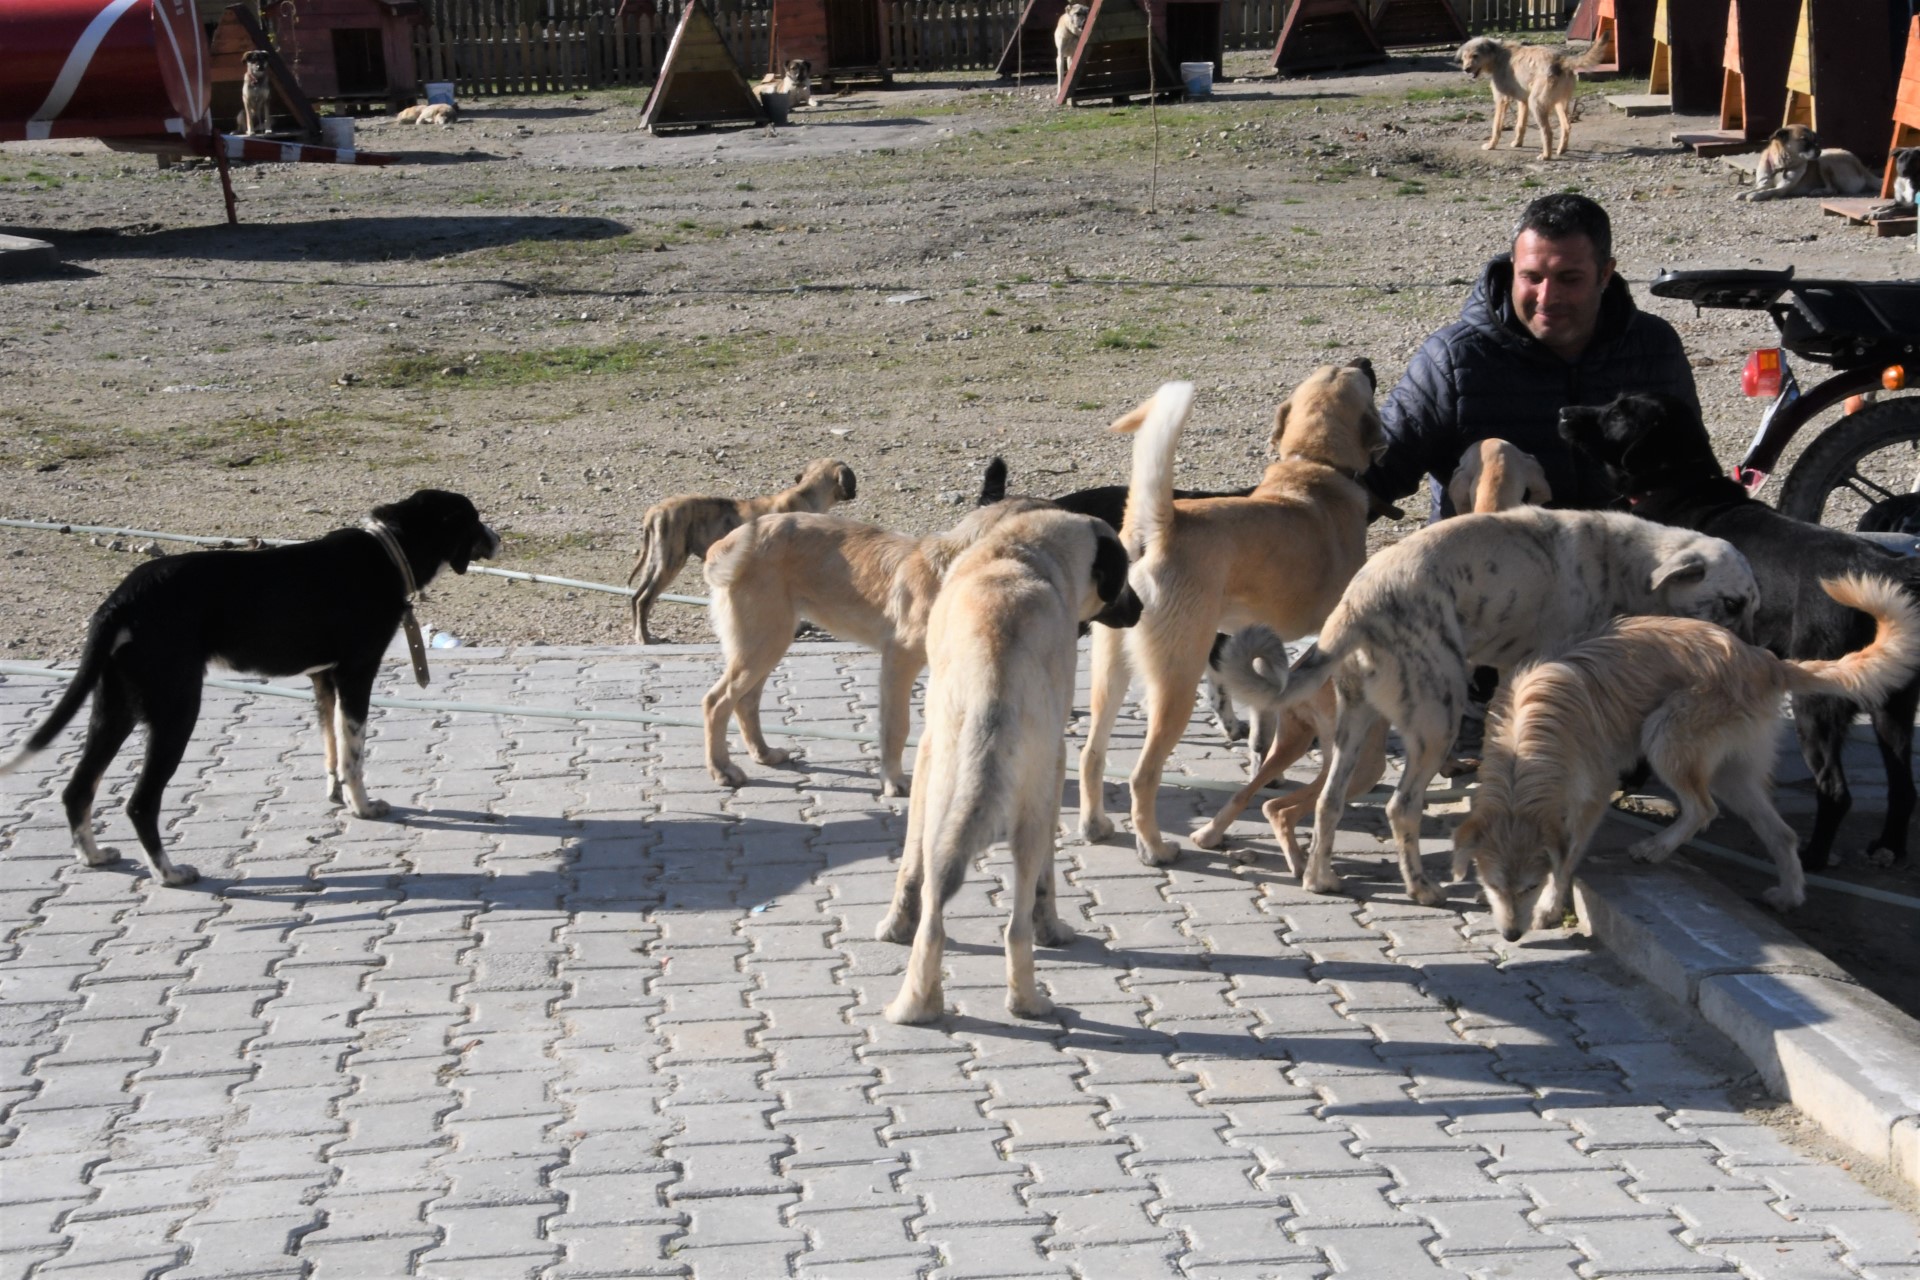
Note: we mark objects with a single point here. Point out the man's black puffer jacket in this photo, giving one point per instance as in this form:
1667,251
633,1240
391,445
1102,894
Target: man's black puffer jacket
1484,376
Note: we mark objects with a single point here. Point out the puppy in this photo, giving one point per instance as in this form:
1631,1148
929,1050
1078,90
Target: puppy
1279,557
687,525
1697,704
1493,475
256,95
1795,164
1066,38
858,581
325,609
1906,175
1000,644
1534,79
1656,451
1483,590
796,81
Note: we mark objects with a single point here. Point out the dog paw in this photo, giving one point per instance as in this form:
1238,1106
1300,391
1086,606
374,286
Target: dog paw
1545,917
1095,827
1210,836
1488,146
1235,730
897,927
1426,892
1883,857
1812,859
1459,766
1648,851
1780,898
774,756
1054,933
99,857
896,787
1155,853
178,874
1241,855
1030,1006
909,1012
728,775
373,809
1328,883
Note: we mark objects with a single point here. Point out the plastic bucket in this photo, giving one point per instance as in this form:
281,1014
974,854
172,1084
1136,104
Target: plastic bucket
778,105
1198,77
440,91
337,132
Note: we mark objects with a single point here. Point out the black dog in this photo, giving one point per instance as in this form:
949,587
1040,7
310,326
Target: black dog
1656,452
325,609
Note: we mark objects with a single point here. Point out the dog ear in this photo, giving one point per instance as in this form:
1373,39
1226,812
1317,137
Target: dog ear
993,485
1688,566
1110,565
1460,487
1536,490
844,481
1279,423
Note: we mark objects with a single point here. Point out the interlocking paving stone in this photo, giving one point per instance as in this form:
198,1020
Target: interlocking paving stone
578,1012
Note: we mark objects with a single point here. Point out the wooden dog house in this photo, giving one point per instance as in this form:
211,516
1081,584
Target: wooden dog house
1695,37
700,81
1120,55
1029,51
1398,23
1906,107
1627,25
1753,79
237,34
1183,31
1838,83
1323,35
349,51
842,39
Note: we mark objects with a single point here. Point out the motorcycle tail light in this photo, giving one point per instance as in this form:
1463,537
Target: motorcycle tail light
1894,377
1761,377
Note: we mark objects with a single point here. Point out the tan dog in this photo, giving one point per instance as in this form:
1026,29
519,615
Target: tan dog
1493,475
440,113
256,94
1533,78
1795,164
687,525
991,763
1279,557
1066,38
858,581
1700,706
796,81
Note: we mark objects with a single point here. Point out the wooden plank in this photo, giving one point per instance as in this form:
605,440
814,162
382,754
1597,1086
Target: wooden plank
1718,142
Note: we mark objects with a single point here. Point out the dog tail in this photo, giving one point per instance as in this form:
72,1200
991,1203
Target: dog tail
983,796
1866,675
1155,427
93,660
993,485
1253,668
1595,54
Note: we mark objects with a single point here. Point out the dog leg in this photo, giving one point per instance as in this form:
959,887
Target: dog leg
751,657
1566,128
1032,845
1681,770
1108,689
170,719
1048,928
921,998
903,915
1519,123
1821,725
1427,738
1220,704
323,704
1499,119
1169,702
109,724
898,667
353,700
1893,730
1286,749
1282,814
747,712
1744,782
1355,720
1557,898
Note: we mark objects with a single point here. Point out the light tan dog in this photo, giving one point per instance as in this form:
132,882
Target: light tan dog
1493,475
858,581
1533,78
1279,556
991,763
1066,38
687,525
796,81
440,113
1795,164
1700,706
256,94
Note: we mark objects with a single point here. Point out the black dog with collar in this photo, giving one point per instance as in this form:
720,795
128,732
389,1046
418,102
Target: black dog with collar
326,609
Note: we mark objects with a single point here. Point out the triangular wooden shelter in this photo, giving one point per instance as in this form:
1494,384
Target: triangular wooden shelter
1906,107
1753,77
1321,35
1626,26
700,81
1696,36
1838,79
1408,22
1030,51
1117,56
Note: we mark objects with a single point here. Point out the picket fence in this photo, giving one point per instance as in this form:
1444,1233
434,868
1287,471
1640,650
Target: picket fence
490,47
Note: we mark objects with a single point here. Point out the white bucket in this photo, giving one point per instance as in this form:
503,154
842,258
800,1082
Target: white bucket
440,91
337,132
1198,77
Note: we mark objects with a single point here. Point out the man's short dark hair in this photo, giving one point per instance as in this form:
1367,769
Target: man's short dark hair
1558,216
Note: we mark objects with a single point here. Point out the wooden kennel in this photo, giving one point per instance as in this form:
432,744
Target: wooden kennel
843,39
1323,35
1906,106
1119,56
1839,82
1398,23
700,82
1626,26
1694,37
1753,77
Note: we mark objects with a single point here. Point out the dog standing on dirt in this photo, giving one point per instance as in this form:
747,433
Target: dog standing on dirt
1483,590
1534,79
1279,557
1700,706
687,525
256,95
1656,451
325,609
1066,38
991,763
1795,164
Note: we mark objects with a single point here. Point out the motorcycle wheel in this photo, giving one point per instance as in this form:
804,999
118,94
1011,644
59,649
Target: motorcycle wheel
1863,459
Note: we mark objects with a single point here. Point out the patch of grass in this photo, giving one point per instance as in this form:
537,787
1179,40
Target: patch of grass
1227,210
993,311
1128,337
1186,237
1260,288
1088,406
1531,181
1310,320
1303,231
1410,189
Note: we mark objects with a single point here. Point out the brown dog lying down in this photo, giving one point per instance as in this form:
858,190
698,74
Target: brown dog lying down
1701,706
687,525
1493,475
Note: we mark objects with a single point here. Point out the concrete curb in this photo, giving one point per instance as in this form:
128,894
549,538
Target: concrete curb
1821,1041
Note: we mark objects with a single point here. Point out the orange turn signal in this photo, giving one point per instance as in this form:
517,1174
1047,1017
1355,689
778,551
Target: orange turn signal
1894,377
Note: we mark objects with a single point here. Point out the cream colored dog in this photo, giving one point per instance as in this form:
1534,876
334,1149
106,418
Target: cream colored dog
856,580
991,763
440,113
1279,556
1066,38
687,525
1533,78
1700,706
1795,164
796,81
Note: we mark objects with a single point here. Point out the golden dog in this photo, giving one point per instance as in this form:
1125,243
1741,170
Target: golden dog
1534,78
687,525
991,763
256,94
1701,707
1279,557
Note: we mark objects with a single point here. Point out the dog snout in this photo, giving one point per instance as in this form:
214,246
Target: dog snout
487,547
1513,933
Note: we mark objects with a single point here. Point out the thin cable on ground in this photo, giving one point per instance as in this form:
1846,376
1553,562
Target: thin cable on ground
1220,786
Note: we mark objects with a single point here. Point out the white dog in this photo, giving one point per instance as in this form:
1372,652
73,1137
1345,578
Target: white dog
1066,36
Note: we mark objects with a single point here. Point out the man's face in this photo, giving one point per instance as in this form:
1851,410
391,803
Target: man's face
1557,286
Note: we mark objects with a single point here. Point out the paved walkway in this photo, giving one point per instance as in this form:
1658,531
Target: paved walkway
578,1012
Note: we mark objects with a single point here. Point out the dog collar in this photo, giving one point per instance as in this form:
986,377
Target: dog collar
1349,472
416,646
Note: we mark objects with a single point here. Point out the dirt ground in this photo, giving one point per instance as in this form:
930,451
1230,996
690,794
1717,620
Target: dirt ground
566,318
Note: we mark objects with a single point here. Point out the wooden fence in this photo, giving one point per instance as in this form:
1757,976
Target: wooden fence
488,47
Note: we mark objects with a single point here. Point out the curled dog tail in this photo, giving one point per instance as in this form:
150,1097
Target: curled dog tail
93,660
1155,426
1866,675
1253,668
1595,54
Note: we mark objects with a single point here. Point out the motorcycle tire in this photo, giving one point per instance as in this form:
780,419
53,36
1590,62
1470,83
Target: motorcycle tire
1831,464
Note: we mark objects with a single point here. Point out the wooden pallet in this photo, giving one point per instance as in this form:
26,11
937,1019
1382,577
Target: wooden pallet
1718,142
1641,104
1858,211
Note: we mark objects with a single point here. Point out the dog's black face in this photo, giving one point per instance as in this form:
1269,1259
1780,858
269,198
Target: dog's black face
442,525
1642,442
1122,607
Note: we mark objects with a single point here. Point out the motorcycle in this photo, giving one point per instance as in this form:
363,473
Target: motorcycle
1862,471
